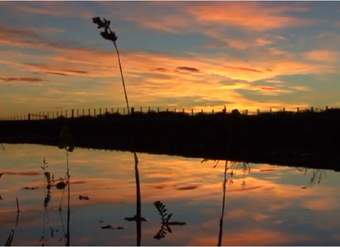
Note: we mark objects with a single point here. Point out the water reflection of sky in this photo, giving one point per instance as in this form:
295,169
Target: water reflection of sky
264,205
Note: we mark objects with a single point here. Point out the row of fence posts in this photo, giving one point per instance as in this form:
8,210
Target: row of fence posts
76,113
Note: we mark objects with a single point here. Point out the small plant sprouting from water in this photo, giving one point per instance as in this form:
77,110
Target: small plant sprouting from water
165,221
10,237
47,198
49,181
316,175
66,143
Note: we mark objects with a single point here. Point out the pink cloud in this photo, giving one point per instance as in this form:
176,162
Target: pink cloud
325,56
250,16
54,9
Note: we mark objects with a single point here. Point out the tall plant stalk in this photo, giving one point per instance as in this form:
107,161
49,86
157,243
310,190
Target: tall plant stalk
122,76
108,34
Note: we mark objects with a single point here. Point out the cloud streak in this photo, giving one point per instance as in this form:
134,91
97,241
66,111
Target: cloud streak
187,69
33,80
250,16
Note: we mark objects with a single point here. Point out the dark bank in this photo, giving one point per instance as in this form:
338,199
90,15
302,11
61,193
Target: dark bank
309,139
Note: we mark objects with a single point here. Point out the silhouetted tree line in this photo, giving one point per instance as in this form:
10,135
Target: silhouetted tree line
304,138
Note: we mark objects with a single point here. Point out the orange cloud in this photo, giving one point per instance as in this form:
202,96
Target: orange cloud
250,16
33,38
323,56
206,79
173,23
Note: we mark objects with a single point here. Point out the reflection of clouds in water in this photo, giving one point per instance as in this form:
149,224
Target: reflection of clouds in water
261,205
22,173
251,237
245,189
186,187
318,204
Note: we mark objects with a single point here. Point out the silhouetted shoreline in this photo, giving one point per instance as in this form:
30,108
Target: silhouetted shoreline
306,139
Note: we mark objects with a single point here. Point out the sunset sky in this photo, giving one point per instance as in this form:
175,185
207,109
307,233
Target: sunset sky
174,54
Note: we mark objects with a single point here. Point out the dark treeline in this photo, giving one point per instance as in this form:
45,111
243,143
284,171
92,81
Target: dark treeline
307,138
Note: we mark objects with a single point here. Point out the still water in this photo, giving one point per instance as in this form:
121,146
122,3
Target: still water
199,202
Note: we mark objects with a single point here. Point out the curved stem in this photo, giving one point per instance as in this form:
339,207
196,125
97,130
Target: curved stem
122,76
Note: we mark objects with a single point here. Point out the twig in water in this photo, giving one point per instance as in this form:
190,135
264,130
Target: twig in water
18,208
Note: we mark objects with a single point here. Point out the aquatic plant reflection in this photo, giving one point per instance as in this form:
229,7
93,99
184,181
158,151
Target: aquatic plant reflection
138,216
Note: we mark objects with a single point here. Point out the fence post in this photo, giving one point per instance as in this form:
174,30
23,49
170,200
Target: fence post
157,109
72,113
192,112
